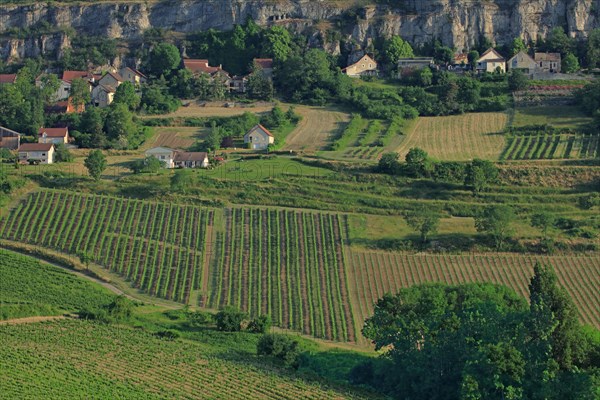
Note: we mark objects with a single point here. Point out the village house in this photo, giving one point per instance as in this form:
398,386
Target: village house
548,62
53,135
104,92
259,138
7,78
197,67
9,139
37,153
366,66
133,75
265,65
179,159
64,90
491,61
64,107
523,62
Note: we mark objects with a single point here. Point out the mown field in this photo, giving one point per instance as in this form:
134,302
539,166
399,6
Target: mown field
79,359
159,247
316,129
372,274
287,264
32,288
558,116
458,137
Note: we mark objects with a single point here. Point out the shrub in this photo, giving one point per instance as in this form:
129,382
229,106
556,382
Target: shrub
260,324
230,319
281,347
168,334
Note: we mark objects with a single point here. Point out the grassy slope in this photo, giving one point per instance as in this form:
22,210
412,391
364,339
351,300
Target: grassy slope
557,116
30,288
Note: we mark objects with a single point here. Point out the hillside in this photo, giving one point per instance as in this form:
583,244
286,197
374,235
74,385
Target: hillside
457,23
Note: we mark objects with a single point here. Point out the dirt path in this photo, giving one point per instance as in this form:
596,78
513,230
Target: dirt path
31,320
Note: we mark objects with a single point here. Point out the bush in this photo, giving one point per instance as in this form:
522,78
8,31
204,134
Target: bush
589,201
281,347
230,319
168,334
260,324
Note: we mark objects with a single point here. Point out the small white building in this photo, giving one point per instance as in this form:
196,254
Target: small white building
490,61
53,135
179,159
41,153
259,138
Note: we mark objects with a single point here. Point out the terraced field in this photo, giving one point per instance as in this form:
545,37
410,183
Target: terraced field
288,264
81,359
159,247
458,137
373,274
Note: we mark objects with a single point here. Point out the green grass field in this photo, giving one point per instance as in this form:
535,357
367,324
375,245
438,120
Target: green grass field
29,287
557,116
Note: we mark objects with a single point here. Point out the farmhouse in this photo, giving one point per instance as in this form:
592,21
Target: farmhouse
265,65
491,61
133,75
39,153
9,139
522,61
7,78
363,67
104,92
198,67
64,90
53,135
259,138
179,159
548,62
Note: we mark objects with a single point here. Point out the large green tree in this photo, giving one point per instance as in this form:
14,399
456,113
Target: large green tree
163,59
496,221
95,163
395,48
127,95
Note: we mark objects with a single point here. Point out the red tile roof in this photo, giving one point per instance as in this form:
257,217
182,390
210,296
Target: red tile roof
35,147
200,66
54,132
189,156
262,128
68,76
8,78
265,63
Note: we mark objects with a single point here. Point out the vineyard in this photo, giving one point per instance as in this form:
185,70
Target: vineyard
80,359
287,264
373,274
30,287
159,247
547,143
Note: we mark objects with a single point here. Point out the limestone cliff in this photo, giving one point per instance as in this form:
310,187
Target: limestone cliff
458,23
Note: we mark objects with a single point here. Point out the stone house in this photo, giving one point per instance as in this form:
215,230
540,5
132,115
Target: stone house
490,61
259,138
548,62
133,75
38,153
105,89
523,61
366,66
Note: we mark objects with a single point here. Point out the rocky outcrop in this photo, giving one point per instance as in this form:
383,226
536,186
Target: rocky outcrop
458,23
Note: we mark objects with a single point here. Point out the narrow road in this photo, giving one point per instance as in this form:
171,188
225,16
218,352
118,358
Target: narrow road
30,320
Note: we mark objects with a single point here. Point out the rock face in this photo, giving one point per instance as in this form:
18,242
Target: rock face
458,23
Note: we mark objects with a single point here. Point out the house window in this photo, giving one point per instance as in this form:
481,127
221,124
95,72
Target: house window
370,66
43,154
